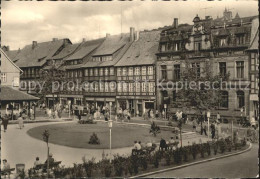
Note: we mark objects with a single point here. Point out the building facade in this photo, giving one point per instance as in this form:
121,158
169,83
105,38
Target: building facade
222,42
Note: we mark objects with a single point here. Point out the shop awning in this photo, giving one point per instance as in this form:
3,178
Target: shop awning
11,94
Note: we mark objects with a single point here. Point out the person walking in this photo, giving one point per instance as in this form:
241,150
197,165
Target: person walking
5,121
204,129
20,121
194,125
212,126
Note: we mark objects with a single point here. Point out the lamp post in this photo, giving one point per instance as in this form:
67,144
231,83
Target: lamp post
208,116
110,124
69,102
165,106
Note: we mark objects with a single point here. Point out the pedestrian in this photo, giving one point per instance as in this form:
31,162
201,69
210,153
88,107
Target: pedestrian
6,169
152,114
79,116
204,129
218,117
20,121
128,116
106,116
194,125
156,114
5,122
212,126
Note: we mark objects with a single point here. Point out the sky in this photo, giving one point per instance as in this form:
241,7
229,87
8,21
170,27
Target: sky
24,22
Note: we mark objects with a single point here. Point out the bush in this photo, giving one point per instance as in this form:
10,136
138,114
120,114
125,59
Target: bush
194,150
215,147
222,145
202,150
185,151
94,139
143,162
89,166
156,159
228,143
168,155
107,167
87,121
118,165
208,148
177,156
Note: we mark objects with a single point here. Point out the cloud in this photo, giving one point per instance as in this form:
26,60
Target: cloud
24,22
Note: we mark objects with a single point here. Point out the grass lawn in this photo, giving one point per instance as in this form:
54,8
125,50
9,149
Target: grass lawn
77,135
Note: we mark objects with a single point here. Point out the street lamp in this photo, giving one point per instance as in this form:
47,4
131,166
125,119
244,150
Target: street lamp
165,106
208,116
110,124
69,102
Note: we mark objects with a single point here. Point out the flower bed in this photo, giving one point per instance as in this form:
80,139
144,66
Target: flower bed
126,166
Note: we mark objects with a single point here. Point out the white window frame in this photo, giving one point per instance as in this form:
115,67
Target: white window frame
137,70
137,87
130,71
119,87
144,70
106,87
111,71
119,71
125,87
144,87
124,73
106,71
3,77
101,72
150,70
96,72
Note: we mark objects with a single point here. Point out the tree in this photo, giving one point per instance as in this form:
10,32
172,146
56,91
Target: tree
155,129
203,89
46,136
53,81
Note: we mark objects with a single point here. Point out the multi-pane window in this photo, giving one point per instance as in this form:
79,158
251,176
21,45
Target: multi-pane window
124,72
118,71
197,46
112,86
130,71
240,39
137,87
151,87
137,70
224,99
86,72
111,70
3,77
196,68
91,72
240,99
75,74
96,87
106,86
119,87
164,72
144,70
150,70
80,73
86,87
101,71
106,71
240,69
96,71
101,87
143,87
177,72
131,87
222,69
124,87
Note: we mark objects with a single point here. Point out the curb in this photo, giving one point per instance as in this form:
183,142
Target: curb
194,163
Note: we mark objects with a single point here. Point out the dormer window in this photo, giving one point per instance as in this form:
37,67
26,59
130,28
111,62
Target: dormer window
163,47
240,39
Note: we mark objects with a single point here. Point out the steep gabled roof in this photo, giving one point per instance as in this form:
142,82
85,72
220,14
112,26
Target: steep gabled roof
12,54
37,56
85,48
142,51
116,45
66,51
112,44
7,57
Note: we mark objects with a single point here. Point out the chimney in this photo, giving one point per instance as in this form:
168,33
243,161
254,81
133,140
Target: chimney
6,48
54,39
107,35
175,22
132,30
34,44
84,40
136,35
